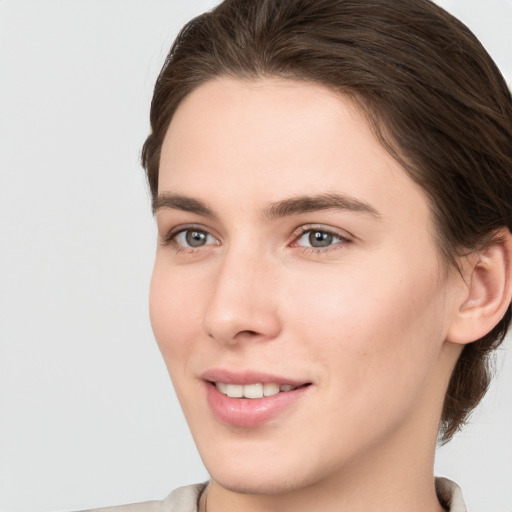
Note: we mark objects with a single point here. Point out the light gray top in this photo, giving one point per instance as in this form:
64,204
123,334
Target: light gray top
186,499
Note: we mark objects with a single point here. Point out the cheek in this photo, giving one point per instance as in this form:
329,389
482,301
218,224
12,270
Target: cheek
386,325
376,341
175,312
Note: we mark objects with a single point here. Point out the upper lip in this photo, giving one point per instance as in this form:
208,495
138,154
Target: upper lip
248,377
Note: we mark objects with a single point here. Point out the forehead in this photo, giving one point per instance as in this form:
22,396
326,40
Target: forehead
277,137
239,145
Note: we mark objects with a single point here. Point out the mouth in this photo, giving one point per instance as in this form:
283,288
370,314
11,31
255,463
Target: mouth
254,391
251,399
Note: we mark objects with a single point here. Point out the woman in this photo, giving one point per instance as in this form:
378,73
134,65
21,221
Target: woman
331,182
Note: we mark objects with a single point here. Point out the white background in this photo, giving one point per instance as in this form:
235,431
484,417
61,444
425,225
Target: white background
87,414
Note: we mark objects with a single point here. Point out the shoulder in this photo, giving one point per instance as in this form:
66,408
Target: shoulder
183,499
450,495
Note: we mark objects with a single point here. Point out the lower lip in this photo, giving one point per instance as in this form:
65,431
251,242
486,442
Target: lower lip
250,412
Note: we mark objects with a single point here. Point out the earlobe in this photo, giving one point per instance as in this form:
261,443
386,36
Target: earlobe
488,290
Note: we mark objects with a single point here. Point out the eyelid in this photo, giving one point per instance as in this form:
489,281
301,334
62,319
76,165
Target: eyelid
343,235
170,236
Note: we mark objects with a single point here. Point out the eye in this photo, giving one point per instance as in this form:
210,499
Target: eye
193,238
318,238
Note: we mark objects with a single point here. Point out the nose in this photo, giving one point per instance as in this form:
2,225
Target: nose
243,305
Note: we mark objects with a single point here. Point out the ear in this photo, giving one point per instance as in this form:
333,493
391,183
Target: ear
487,290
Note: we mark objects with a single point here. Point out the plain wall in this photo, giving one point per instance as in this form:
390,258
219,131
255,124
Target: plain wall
87,414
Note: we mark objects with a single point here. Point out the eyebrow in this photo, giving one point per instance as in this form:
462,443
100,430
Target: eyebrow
283,208
305,204
183,203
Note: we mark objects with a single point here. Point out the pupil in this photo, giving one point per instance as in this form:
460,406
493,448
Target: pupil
320,239
195,238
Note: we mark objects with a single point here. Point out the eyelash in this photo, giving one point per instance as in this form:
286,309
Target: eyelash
170,238
343,240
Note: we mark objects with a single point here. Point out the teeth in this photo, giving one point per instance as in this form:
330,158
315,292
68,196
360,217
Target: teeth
234,390
252,390
223,388
270,389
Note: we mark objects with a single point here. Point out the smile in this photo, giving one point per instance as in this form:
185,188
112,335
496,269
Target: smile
252,403
253,391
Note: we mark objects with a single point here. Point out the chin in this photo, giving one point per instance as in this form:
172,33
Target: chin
264,473
268,485
249,464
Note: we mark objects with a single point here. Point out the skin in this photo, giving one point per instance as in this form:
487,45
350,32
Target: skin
364,319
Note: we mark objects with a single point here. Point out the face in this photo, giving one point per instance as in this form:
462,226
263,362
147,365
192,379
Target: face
297,297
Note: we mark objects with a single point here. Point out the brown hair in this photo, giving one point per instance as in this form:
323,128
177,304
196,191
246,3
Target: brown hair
434,96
